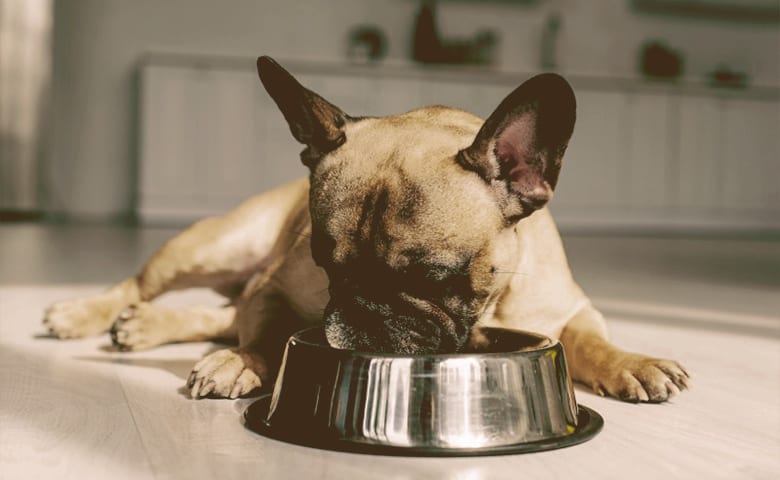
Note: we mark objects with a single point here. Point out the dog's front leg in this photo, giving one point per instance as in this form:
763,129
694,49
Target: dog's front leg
632,377
264,321
146,325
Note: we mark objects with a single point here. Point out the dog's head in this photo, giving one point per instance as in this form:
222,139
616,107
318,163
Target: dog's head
414,215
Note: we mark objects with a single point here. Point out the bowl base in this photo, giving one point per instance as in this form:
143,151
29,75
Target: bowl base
589,423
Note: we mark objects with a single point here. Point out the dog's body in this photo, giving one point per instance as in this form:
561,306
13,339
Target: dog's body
410,230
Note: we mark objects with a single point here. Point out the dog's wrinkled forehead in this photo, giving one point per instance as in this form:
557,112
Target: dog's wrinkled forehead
395,188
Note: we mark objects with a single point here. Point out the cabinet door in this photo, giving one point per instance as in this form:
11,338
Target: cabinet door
699,182
751,155
348,92
172,151
646,177
590,173
209,139
392,96
479,99
231,170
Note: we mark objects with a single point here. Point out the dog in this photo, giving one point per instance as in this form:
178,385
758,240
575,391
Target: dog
410,230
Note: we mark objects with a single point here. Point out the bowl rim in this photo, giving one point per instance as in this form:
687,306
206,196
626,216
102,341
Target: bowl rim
589,424
552,344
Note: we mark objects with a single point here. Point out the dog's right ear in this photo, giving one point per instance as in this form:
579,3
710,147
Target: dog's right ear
313,121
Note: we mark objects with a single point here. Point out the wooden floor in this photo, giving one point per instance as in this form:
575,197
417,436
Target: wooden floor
76,409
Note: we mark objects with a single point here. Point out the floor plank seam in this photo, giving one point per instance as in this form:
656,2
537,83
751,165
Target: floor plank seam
148,457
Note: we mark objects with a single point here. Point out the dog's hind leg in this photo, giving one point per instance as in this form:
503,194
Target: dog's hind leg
223,253
220,253
146,325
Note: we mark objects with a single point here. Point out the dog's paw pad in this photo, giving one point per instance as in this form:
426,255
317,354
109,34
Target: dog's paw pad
223,373
636,378
135,327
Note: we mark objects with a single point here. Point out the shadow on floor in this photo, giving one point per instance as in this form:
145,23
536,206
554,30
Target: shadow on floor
179,367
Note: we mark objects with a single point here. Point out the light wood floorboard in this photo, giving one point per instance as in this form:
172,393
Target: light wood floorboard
76,410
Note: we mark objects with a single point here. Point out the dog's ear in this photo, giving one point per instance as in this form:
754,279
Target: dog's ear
313,121
519,148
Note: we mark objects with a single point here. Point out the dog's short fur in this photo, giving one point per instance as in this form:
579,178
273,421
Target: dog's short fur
410,230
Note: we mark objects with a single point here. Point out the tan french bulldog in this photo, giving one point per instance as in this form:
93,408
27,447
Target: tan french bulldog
410,230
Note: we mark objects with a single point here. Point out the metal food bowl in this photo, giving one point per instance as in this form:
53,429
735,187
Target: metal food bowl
509,392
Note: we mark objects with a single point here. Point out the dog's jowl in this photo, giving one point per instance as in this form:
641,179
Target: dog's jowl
410,230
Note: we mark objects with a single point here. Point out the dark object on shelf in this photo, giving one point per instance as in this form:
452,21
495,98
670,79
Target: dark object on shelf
367,44
723,76
430,47
659,61
10,215
754,11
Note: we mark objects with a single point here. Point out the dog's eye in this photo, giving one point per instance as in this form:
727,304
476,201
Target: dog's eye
450,280
424,277
439,272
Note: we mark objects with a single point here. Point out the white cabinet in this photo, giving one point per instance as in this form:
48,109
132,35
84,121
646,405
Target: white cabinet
642,155
389,96
474,97
209,138
728,161
672,160
699,155
750,156
649,128
167,143
590,177
348,92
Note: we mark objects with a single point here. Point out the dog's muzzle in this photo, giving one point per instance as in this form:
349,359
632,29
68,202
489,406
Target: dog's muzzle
400,324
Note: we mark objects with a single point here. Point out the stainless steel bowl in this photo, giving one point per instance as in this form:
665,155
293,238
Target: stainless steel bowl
508,393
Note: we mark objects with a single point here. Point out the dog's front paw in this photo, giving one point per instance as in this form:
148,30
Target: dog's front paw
225,373
78,318
138,327
637,378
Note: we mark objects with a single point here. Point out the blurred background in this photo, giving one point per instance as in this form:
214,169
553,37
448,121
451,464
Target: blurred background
151,111
122,121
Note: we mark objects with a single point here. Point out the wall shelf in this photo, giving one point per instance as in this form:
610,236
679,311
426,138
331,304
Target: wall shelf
753,11
459,74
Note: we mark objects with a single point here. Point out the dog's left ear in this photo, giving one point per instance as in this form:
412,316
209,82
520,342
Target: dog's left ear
519,148
313,121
